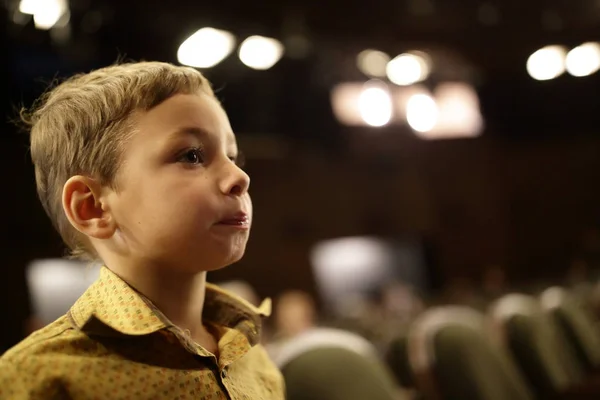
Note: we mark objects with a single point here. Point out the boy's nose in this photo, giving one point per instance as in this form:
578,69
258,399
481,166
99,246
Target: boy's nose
236,183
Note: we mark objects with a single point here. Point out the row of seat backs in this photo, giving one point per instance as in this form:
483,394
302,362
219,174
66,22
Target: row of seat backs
524,348
333,364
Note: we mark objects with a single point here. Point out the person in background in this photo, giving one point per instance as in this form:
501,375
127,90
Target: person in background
493,283
462,291
297,330
590,250
137,166
295,313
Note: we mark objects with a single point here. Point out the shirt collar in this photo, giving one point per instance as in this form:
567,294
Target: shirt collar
111,306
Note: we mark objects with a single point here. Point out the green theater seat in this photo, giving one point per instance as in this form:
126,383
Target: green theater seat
453,357
537,344
336,373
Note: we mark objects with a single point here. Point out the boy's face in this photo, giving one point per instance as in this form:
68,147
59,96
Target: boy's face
182,201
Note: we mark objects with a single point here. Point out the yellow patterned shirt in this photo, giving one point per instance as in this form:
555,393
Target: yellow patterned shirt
114,344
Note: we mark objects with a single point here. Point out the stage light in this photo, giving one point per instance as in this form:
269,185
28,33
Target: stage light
30,6
362,104
408,68
46,13
547,63
459,114
375,105
372,63
421,113
206,48
344,103
259,52
583,60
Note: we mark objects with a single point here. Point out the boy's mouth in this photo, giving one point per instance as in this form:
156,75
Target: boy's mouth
239,219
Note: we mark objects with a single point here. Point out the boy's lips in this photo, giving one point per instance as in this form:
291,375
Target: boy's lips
239,219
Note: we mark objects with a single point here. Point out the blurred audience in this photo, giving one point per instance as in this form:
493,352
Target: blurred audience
462,291
494,282
295,313
590,248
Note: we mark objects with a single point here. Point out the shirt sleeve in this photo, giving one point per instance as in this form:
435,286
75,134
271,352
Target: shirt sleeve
11,382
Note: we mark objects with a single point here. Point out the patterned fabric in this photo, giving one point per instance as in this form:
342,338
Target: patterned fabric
114,344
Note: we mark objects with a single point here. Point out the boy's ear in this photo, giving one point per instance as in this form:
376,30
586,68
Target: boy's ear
86,209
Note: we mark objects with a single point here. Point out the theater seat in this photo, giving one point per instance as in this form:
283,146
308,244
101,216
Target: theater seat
326,363
453,357
537,344
337,373
396,358
577,325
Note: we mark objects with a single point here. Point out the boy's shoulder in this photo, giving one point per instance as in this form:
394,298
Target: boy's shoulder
53,338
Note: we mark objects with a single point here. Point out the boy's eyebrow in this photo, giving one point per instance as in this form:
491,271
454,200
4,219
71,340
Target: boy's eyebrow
201,133
189,130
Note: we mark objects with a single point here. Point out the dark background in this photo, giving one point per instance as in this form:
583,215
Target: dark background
525,195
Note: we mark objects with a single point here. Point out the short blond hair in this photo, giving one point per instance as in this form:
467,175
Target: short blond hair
80,126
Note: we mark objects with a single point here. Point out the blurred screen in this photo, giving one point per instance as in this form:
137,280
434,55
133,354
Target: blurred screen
350,267
55,285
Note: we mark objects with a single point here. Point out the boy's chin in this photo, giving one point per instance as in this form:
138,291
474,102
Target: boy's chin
224,263
233,260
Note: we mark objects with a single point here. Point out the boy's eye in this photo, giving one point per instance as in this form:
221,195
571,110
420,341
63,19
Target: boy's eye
192,156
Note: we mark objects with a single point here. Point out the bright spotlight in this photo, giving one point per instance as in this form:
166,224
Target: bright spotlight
30,6
459,114
344,102
46,13
206,48
375,106
372,63
408,68
260,52
421,113
583,60
547,63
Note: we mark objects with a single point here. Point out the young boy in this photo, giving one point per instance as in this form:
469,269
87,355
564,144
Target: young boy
136,165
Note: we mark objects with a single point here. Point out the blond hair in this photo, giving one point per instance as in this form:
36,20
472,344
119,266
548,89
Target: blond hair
79,127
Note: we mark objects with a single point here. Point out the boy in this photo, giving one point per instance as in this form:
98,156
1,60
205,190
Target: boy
136,165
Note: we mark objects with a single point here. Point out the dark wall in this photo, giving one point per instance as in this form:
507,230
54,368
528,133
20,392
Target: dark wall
521,204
